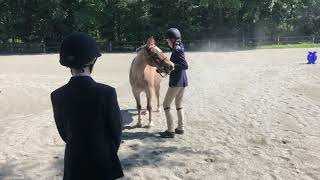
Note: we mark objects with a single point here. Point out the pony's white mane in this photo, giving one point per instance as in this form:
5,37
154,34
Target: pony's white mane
158,48
143,46
139,48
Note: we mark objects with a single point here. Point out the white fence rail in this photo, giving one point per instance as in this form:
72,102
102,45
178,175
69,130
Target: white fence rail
191,45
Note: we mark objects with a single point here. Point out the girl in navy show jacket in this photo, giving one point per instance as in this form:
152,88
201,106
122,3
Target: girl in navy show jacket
177,84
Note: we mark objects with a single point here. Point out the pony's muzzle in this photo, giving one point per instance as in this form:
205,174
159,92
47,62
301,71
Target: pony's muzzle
171,67
168,69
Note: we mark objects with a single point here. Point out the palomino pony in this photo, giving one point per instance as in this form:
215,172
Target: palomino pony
145,75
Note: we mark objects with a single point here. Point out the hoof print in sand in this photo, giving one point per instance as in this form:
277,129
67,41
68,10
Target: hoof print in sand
285,140
134,147
159,152
188,171
259,140
210,160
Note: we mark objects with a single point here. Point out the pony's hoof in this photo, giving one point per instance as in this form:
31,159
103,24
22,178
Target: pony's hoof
139,125
150,125
159,110
145,113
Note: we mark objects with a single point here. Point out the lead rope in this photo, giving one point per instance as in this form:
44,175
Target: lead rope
161,73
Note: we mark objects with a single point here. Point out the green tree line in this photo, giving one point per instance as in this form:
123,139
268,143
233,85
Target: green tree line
48,21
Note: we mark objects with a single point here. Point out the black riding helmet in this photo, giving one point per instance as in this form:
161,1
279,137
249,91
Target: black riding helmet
78,50
173,33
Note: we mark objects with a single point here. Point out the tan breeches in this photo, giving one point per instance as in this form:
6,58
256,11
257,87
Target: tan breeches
177,94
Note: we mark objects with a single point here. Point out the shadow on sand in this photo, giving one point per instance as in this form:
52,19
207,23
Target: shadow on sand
145,155
9,171
137,135
127,116
58,165
154,157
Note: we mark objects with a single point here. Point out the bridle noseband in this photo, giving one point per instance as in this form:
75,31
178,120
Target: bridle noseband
162,74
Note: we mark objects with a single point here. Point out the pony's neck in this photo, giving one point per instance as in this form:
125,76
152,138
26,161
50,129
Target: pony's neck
144,58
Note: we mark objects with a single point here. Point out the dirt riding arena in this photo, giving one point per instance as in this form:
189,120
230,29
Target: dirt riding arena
249,115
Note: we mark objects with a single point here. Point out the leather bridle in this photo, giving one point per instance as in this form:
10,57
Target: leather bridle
158,58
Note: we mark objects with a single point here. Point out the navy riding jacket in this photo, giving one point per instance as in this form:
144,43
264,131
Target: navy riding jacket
178,77
88,119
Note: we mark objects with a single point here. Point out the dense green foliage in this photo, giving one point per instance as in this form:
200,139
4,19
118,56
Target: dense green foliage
48,21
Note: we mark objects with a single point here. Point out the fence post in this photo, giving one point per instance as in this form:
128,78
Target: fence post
243,42
44,48
209,44
11,48
314,39
110,46
278,39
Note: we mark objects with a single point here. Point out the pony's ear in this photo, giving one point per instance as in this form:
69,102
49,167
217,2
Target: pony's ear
151,42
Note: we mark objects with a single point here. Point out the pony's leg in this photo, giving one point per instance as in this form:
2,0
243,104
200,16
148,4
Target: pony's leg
149,107
138,101
157,90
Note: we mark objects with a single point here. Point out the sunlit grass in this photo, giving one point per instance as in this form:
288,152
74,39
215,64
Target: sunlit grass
297,45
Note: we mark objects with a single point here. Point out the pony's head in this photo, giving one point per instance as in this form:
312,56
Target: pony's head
157,58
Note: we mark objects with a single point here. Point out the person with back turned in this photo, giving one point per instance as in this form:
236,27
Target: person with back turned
87,115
